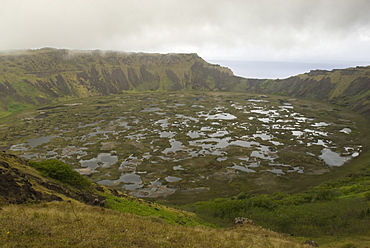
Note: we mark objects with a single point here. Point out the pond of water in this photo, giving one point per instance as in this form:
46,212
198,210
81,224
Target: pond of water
146,146
332,158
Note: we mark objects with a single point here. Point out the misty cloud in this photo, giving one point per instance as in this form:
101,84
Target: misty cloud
253,29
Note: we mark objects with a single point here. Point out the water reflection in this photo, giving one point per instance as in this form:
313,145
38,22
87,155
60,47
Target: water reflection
39,141
172,179
219,116
346,130
238,135
332,158
103,160
242,168
131,181
151,109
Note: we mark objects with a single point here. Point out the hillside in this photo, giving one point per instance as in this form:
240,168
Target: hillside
343,87
54,181
21,184
37,77
50,214
47,207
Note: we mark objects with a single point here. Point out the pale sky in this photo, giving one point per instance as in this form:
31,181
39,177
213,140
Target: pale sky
253,30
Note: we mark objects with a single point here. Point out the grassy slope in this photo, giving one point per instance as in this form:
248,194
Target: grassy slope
348,191
26,185
335,213
77,225
36,77
345,87
125,222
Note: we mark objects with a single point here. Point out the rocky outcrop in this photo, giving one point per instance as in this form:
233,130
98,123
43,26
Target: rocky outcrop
16,187
243,221
19,184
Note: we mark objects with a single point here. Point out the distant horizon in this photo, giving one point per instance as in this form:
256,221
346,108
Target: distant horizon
256,69
255,30
281,69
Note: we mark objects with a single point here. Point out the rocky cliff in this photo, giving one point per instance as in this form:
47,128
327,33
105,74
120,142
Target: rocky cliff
345,87
42,76
36,77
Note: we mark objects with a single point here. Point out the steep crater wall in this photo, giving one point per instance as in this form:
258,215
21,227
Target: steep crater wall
37,77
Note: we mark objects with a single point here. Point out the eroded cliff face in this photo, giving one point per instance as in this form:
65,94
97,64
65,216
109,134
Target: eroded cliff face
345,87
45,75
36,77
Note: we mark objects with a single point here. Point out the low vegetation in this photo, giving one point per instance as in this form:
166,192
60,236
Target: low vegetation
62,172
339,209
58,207
137,142
76,225
329,213
143,208
299,214
125,221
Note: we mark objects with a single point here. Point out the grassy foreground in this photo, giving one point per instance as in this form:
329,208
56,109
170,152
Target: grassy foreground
59,212
334,214
63,224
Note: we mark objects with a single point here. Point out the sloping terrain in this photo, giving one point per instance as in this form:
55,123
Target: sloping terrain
57,215
46,75
50,213
346,87
21,184
37,77
49,210
63,225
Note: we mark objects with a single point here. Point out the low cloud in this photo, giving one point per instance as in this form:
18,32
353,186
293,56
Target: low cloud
235,29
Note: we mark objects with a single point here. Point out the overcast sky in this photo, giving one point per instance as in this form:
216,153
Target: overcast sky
262,30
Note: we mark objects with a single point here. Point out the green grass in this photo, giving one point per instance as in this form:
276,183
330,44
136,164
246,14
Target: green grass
141,208
4,114
338,208
131,223
61,172
61,224
16,107
166,85
25,89
269,83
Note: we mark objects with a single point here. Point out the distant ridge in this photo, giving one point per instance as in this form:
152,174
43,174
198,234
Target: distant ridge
343,87
37,77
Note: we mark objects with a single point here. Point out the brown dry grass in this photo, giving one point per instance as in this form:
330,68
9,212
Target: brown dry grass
62,224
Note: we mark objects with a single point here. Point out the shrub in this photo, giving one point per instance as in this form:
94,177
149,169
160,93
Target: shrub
61,172
263,201
243,195
15,107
